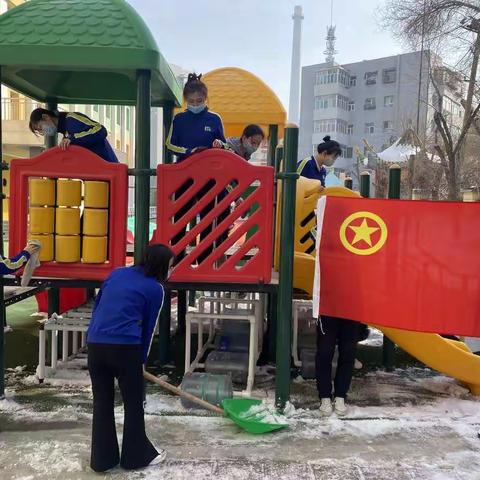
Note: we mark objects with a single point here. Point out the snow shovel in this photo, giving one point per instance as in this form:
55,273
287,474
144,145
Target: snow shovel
248,413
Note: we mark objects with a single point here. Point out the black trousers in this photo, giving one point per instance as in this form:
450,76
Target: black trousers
331,331
123,362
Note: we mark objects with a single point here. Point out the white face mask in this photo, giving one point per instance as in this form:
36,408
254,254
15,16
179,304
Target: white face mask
329,161
250,149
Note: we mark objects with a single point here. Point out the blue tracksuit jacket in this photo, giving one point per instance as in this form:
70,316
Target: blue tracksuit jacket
85,132
308,167
11,265
192,130
126,309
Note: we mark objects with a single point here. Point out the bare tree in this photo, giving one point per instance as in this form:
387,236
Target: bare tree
450,27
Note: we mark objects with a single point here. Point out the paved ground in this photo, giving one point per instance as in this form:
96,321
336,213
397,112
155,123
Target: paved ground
409,424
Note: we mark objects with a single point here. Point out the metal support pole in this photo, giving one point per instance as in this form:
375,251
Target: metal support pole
394,193
53,293
164,330
3,310
142,161
278,157
348,183
272,144
365,184
285,290
167,122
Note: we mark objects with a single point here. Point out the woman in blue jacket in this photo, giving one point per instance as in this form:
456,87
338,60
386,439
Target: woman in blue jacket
76,128
119,337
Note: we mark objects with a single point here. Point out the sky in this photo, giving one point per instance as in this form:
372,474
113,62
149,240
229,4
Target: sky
201,35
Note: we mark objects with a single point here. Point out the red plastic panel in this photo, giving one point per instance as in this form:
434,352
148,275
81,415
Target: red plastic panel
217,171
76,162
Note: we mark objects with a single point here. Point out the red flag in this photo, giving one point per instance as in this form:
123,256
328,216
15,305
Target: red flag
413,265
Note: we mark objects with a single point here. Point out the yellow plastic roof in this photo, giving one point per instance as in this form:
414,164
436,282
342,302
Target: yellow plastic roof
241,98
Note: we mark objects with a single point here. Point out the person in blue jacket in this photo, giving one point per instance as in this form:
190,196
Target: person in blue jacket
197,128
11,265
76,128
194,130
314,167
119,338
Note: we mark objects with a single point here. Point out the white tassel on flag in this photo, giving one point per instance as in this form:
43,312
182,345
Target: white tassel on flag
322,203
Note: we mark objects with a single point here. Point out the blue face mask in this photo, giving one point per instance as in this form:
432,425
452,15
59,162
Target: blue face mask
49,130
250,149
196,108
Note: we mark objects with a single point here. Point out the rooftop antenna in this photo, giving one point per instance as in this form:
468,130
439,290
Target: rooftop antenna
330,50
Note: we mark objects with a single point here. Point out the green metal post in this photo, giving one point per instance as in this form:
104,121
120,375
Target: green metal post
3,310
348,183
278,157
365,184
165,321
167,122
394,193
164,330
285,288
53,293
272,144
142,161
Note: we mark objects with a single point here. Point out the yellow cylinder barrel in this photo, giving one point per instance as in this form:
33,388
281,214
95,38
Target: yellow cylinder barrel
94,249
95,222
67,248
69,192
67,221
46,252
96,194
42,191
41,219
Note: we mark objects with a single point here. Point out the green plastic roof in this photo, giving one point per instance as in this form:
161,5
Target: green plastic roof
81,51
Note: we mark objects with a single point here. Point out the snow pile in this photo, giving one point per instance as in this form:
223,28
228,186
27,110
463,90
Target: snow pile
264,413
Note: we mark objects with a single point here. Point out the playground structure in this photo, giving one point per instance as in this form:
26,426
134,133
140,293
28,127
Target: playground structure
113,59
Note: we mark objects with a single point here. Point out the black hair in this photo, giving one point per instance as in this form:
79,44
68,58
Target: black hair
195,85
329,146
37,115
156,261
251,130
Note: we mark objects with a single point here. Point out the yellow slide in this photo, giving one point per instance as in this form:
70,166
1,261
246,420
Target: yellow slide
447,356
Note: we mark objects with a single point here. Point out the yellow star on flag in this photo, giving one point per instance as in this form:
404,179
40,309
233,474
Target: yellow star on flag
363,232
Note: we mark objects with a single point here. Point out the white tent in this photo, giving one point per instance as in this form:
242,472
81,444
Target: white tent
398,152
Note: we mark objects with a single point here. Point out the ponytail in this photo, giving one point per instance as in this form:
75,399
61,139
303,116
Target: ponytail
195,85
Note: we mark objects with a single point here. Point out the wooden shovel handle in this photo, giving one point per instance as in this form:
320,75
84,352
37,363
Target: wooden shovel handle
181,393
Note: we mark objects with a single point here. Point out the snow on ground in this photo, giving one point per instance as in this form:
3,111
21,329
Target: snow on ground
408,424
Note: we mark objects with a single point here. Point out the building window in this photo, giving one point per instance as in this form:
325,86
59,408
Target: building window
332,75
353,81
371,78
333,125
96,108
389,75
387,125
108,111
369,128
351,106
350,129
388,101
331,101
348,152
118,111
118,145
370,104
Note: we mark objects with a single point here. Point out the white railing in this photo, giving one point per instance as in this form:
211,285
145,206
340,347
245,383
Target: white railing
18,108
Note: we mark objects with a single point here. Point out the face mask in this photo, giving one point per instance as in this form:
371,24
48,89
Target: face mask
329,162
196,108
49,130
250,149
